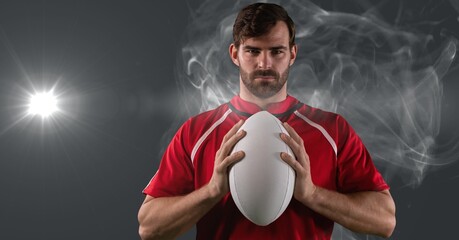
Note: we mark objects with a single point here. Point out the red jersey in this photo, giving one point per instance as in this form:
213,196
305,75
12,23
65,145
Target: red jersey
339,162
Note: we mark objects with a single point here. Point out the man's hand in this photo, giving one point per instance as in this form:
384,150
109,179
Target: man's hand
168,217
219,182
304,187
369,212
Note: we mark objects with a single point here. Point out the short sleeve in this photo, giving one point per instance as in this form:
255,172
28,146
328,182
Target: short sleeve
175,175
356,171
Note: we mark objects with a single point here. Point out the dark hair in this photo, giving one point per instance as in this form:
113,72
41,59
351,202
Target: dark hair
257,19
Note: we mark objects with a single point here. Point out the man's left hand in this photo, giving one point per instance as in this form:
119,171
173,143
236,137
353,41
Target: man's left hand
304,187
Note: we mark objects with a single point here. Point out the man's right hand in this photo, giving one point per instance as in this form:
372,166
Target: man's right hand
218,184
168,217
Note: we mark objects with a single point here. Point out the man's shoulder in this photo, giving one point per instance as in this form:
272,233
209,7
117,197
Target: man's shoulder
193,129
319,116
329,123
208,115
200,123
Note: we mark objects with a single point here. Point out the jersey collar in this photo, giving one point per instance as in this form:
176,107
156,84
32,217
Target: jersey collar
279,109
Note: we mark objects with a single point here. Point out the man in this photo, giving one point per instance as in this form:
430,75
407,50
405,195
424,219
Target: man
336,180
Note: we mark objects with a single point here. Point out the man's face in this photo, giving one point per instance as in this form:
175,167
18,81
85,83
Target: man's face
264,61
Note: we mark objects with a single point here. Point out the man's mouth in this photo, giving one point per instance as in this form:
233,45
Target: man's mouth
265,77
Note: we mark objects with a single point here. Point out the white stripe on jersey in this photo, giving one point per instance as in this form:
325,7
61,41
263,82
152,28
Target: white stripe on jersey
321,129
206,134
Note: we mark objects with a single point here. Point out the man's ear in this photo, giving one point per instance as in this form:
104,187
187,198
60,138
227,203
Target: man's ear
293,51
233,54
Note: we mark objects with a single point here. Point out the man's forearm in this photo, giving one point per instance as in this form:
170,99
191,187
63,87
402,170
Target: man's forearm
364,212
166,218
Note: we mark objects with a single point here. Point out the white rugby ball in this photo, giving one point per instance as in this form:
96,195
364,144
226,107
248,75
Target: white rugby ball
261,184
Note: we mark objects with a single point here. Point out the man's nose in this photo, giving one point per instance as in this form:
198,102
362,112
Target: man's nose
264,61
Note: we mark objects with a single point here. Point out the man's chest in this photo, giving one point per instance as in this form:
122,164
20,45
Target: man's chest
322,157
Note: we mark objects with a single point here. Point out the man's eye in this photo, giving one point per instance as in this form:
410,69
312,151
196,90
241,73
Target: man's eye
252,51
276,52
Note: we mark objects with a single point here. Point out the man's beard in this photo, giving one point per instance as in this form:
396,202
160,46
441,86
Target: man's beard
264,89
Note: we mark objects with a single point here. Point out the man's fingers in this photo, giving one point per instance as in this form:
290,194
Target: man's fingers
293,133
295,146
232,131
229,140
231,159
228,145
290,160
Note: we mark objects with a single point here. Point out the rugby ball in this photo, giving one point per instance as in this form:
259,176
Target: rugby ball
261,184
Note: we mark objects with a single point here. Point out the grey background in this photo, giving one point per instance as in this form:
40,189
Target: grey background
81,175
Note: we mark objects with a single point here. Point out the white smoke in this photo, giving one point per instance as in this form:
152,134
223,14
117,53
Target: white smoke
385,80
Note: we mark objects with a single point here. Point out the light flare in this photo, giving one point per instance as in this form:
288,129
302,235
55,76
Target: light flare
43,104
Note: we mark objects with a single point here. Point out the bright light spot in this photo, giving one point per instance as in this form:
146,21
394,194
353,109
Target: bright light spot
43,104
